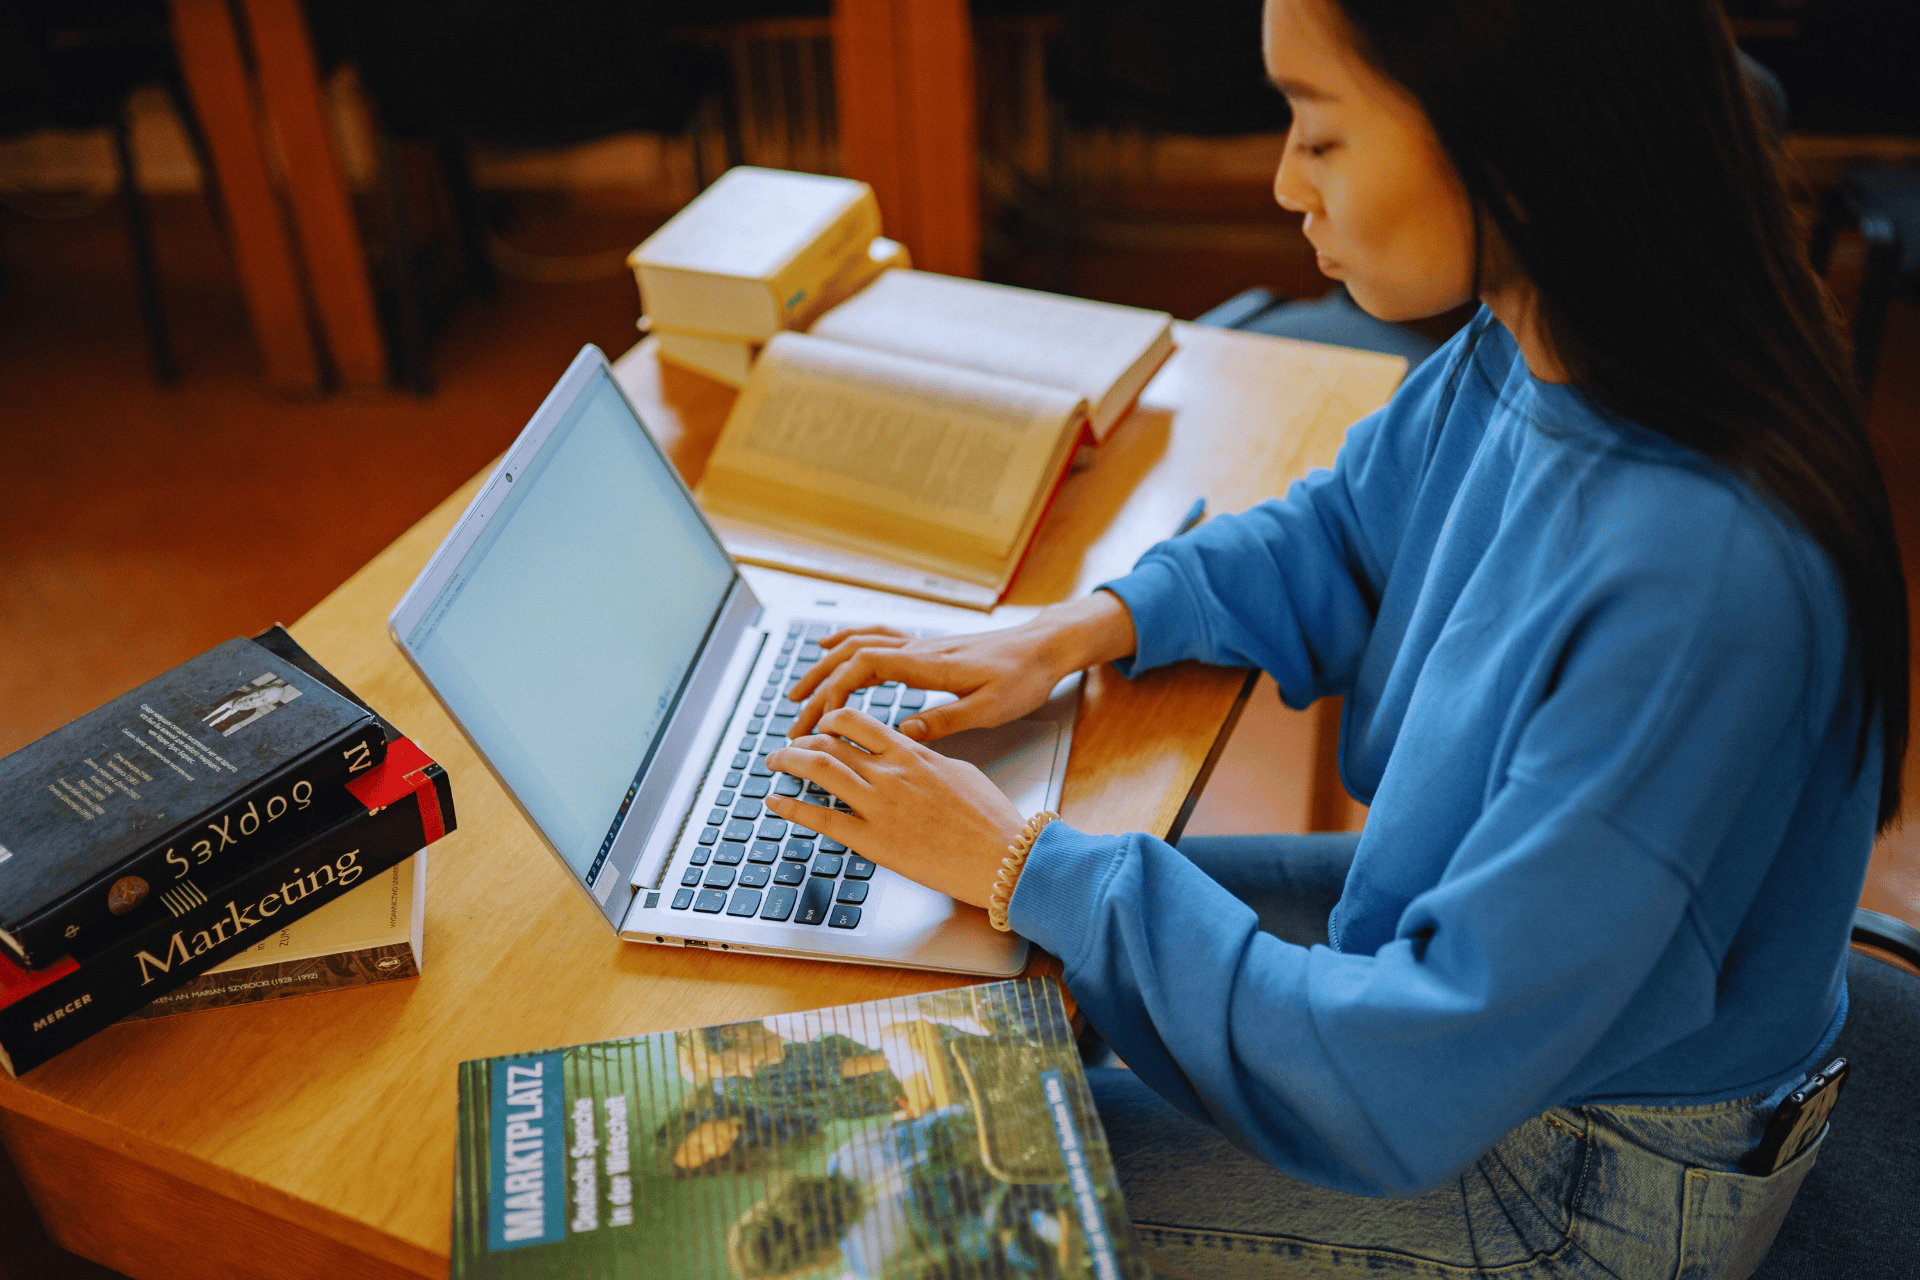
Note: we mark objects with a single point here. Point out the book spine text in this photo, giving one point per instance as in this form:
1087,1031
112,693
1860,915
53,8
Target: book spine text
177,871
170,952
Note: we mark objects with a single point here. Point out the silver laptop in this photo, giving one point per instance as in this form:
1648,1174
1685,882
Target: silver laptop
625,680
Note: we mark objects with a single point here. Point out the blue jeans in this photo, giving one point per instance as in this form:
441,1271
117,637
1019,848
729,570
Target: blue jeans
1611,1193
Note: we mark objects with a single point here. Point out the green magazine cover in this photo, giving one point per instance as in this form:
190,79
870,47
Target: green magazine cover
946,1135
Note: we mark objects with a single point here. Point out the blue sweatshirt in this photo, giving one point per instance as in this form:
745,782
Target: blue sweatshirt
1601,700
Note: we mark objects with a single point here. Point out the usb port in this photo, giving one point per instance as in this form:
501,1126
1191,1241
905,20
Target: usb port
694,942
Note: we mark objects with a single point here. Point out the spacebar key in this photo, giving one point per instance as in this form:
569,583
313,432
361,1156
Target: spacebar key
815,901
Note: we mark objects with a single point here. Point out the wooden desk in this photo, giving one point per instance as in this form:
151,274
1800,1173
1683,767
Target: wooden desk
313,1138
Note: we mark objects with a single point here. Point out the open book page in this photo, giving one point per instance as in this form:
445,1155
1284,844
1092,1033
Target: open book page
887,453
1097,350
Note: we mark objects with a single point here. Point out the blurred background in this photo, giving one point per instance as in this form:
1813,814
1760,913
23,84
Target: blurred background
274,279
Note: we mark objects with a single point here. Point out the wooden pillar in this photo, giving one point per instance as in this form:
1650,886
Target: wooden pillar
209,52
322,206
904,92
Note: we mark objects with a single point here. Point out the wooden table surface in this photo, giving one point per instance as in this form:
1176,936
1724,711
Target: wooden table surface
314,1137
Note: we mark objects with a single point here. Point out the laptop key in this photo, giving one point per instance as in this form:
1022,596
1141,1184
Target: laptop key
845,917
854,891
827,864
729,854
754,877
733,776
790,873
912,699
717,816
761,769
798,850
748,809
711,901
745,902
815,901
826,845
859,868
719,877
881,697
723,799
756,788
779,904
773,829
699,856
691,876
755,726
764,851
709,835
739,829
749,742
788,785
762,709
682,900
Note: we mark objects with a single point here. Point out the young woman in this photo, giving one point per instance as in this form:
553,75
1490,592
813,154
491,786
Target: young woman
1612,592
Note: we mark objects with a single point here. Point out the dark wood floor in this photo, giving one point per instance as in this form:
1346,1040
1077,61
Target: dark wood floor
143,524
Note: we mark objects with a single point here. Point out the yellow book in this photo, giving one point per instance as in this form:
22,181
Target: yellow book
729,360
872,467
912,439
752,250
1099,351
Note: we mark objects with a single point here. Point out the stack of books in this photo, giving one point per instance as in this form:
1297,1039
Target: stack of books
187,823
759,251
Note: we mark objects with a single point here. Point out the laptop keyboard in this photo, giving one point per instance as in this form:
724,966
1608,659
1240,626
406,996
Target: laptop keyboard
749,863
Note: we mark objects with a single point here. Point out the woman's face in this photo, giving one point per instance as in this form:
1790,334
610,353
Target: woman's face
1384,209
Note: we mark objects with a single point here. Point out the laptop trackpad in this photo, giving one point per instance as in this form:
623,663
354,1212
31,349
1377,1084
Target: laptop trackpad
1026,759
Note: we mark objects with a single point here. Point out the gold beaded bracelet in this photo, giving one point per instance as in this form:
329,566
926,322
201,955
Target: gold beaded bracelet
1010,868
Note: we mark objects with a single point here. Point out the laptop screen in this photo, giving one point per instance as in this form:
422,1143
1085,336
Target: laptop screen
565,635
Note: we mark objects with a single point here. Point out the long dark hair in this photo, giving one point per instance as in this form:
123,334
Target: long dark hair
1617,154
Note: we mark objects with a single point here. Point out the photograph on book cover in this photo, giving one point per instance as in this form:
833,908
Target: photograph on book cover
948,1134
248,703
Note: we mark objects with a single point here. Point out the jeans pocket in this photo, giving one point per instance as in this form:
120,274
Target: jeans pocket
1729,1219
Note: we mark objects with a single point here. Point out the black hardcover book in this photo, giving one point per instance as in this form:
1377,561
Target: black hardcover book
146,805
401,807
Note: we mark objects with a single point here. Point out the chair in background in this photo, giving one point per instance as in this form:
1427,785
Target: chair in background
75,64
447,75
1885,205
1857,1217
1334,319
1080,98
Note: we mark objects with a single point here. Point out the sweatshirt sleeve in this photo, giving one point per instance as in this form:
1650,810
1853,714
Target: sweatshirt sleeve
1570,897
1291,586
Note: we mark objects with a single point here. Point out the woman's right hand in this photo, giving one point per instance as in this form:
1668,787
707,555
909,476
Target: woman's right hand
997,676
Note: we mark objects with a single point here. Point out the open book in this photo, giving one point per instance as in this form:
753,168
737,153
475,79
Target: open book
913,439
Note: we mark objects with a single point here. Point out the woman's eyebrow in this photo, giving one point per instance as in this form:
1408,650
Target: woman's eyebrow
1301,91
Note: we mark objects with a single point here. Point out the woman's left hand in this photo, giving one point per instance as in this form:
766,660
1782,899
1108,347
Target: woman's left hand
933,819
